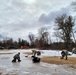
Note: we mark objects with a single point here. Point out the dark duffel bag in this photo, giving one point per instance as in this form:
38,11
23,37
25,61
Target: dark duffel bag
36,60
13,60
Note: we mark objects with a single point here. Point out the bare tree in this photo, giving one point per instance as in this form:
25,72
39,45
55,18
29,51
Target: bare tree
64,25
73,4
43,37
32,39
57,35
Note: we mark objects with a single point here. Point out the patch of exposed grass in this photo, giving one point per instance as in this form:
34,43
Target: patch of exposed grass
29,53
57,60
72,66
6,53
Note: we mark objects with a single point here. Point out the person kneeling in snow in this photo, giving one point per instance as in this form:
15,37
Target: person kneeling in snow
64,53
35,59
16,57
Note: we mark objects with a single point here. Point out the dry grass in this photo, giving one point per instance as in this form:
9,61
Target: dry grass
6,53
57,60
29,53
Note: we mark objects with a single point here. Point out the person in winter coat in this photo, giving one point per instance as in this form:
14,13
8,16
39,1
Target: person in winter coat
64,53
35,53
16,57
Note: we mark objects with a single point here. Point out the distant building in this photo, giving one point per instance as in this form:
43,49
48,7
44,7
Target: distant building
24,47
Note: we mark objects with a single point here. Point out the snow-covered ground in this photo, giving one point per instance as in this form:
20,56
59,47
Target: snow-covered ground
43,52
26,67
54,53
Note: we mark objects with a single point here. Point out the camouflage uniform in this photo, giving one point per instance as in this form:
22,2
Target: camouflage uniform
64,53
35,53
16,57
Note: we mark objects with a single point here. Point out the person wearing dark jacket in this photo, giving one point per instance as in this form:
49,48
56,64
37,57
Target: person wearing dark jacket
64,53
35,59
16,57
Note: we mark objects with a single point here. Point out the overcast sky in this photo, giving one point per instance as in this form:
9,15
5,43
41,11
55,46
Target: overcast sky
19,17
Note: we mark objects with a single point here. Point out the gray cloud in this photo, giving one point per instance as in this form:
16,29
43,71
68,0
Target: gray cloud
46,19
73,4
19,17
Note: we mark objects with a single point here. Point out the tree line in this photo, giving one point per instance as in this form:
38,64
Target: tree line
64,31
10,43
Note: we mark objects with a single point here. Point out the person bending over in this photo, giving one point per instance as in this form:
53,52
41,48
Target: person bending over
16,57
